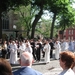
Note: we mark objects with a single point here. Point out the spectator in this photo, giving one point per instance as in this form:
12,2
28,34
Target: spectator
66,60
26,60
5,68
4,49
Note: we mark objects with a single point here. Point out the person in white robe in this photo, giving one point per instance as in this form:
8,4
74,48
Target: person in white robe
28,48
57,49
71,46
13,53
46,49
64,45
21,48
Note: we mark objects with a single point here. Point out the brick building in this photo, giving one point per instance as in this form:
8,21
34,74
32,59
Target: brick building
69,33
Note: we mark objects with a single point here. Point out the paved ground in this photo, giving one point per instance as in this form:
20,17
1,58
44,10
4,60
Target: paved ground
52,68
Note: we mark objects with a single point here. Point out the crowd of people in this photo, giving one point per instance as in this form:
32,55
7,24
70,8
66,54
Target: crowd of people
14,48
27,50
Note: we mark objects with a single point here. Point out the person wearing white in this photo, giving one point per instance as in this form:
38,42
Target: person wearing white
64,45
57,49
21,48
28,48
46,49
71,45
13,53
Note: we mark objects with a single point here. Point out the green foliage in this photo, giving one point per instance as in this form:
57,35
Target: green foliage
11,4
25,17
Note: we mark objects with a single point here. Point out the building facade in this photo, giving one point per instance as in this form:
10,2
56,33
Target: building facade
69,33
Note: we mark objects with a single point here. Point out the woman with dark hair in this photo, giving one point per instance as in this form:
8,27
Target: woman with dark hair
5,67
67,60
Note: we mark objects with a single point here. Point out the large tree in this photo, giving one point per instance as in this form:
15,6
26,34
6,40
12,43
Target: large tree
39,6
10,4
57,7
24,20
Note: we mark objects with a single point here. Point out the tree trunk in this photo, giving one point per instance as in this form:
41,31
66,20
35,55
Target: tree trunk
0,24
37,17
28,33
52,27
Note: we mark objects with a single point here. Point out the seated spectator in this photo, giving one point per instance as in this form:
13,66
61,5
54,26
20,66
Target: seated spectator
26,61
66,60
5,68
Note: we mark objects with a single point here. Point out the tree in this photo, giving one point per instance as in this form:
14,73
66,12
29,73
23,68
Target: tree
7,5
24,20
57,7
39,6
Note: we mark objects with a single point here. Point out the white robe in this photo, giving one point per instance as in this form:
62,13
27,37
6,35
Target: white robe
57,50
46,49
28,49
13,54
65,46
21,49
71,46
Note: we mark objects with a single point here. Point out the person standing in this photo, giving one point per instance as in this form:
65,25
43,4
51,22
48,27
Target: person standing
38,50
71,45
13,53
4,49
26,60
57,49
21,48
33,48
65,45
52,47
28,48
47,49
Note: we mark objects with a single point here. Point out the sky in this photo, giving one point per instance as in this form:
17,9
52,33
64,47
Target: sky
73,5
47,15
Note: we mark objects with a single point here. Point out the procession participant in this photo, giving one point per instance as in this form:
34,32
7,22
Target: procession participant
33,48
8,49
57,49
64,45
71,45
38,50
28,48
47,49
21,48
52,47
13,53
43,44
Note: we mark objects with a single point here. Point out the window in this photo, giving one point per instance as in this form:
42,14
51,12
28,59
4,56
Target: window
72,32
69,32
5,23
64,32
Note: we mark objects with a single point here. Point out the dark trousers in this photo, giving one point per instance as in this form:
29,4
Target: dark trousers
38,55
51,53
4,53
34,53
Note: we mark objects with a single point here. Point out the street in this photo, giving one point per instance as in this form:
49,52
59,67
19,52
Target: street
52,68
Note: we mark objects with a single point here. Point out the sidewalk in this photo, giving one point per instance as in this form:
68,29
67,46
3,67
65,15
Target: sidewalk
54,71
